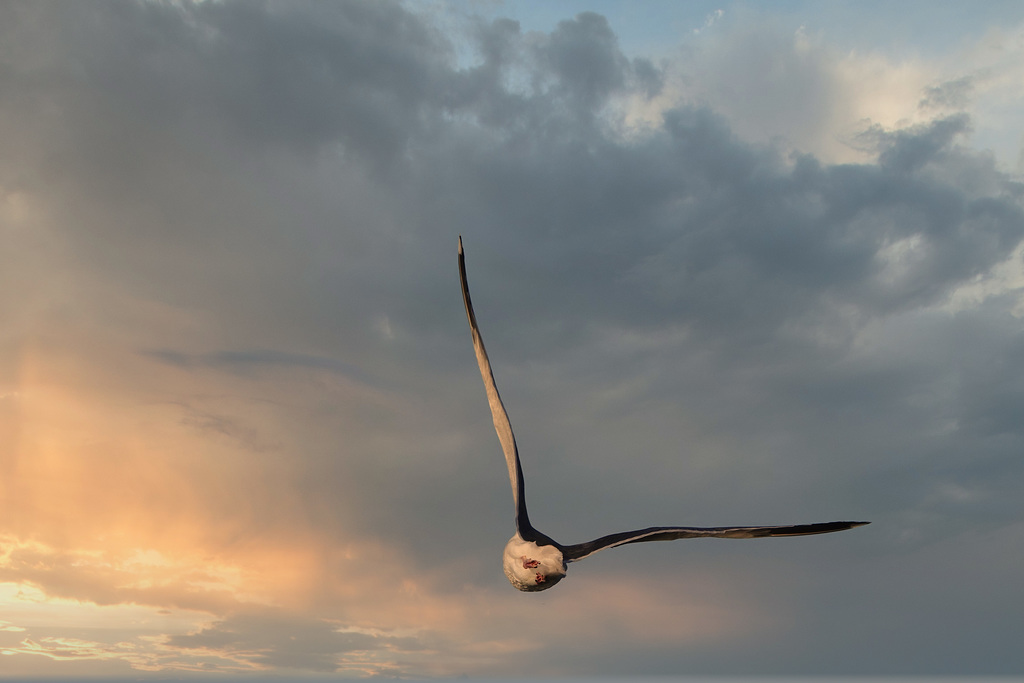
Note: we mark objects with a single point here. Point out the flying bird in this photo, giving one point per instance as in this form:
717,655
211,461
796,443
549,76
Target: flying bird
534,561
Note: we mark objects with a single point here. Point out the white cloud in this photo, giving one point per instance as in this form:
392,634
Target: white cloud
796,89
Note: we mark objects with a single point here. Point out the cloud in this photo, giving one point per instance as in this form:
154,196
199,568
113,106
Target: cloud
954,94
710,20
238,388
106,579
271,642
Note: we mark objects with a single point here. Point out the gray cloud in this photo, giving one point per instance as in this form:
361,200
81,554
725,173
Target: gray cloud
583,58
240,361
954,94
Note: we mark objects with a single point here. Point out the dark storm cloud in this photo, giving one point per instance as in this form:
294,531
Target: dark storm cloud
299,74
687,212
528,79
583,58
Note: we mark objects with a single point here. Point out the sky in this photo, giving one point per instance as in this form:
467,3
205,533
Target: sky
735,263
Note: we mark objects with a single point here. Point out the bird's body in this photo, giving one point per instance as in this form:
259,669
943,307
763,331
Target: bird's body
534,561
532,567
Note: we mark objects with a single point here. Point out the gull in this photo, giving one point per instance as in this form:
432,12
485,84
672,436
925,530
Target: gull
534,561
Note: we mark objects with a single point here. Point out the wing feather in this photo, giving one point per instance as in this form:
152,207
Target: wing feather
574,553
502,425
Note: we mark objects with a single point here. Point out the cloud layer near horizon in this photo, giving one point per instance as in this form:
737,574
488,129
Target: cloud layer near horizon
242,430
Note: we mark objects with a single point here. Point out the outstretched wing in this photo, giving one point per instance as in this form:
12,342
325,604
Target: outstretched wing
501,422
573,553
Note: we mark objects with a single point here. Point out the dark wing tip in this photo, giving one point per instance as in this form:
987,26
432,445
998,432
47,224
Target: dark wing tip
820,528
460,245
